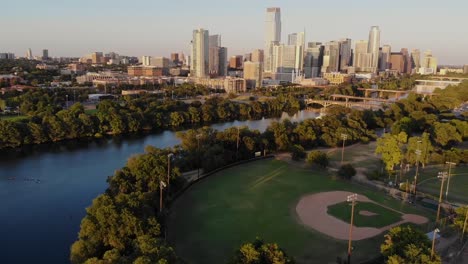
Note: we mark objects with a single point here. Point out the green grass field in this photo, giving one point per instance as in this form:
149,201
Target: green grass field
383,217
214,217
90,111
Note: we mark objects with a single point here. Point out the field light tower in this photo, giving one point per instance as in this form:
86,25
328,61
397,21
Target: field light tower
433,242
351,198
442,175
343,137
162,185
418,155
449,176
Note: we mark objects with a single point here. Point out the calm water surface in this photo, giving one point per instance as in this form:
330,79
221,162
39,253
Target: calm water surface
43,194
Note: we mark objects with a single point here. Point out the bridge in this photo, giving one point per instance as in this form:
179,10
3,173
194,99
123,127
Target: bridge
381,92
451,79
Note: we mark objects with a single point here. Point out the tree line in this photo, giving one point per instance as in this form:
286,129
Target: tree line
49,121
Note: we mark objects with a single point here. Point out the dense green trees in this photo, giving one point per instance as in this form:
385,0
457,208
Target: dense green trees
318,158
404,244
122,225
260,252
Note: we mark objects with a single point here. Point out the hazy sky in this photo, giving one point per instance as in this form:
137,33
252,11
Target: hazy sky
157,28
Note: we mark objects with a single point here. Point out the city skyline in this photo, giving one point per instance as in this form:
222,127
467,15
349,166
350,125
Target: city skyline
403,26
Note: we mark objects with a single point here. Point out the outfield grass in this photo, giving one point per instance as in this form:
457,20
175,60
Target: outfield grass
90,111
13,118
214,217
458,189
383,217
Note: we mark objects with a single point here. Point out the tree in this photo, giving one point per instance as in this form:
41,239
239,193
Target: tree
404,244
444,134
459,221
389,146
260,252
297,152
347,171
318,157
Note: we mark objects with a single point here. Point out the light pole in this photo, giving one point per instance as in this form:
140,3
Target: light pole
433,242
449,176
343,137
162,185
443,176
66,96
418,154
351,198
169,157
464,225
237,149
198,155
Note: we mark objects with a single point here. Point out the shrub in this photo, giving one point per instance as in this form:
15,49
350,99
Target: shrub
318,157
297,152
347,171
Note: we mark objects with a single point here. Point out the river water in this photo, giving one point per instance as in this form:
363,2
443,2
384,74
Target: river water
44,193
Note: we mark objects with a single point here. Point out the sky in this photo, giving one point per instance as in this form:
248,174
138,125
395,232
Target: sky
158,28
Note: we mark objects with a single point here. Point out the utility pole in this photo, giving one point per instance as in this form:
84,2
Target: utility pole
198,155
433,242
418,155
351,198
443,176
162,185
464,226
449,176
343,137
169,157
237,149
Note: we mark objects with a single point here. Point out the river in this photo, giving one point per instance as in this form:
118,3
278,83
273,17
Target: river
44,193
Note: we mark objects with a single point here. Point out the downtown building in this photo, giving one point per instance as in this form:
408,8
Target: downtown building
217,57
366,53
272,36
313,59
199,65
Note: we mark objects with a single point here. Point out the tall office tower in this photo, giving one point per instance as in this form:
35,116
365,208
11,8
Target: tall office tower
465,69
97,57
345,54
248,57
362,58
292,39
235,62
217,57
284,63
257,55
200,53
313,59
429,62
272,35
253,74
146,60
331,57
45,54
397,62
175,58
415,59
298,40
215,41
29,55
407,60
217,61
373,48
385,54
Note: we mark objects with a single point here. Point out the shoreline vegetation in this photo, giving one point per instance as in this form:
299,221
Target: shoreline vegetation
134,190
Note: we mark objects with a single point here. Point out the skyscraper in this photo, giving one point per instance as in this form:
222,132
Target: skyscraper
362,58
385,54
253,74
29,55
415,59
331,57
272,35
313,59
284,64
429,62
217,57
257,56
373,48
345,54
45,54
146,60
200,53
